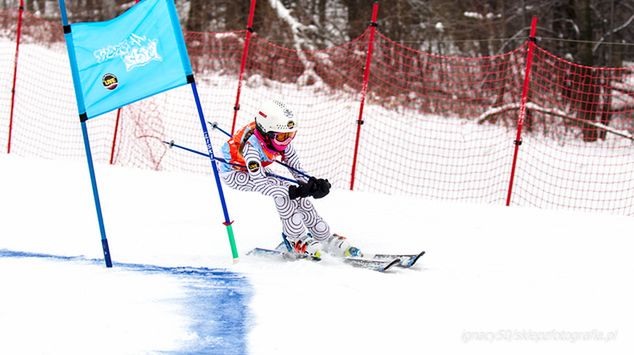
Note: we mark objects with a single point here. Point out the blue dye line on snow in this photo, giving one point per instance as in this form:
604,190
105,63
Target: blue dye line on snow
217,302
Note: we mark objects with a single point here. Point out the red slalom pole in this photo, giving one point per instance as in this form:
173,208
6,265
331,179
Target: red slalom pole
245,53
364,89
520,121
114,136
15,72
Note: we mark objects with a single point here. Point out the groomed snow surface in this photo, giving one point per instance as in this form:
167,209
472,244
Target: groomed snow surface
495,280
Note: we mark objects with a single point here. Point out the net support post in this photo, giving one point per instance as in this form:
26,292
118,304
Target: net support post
15,71
364,90
524,99
243,62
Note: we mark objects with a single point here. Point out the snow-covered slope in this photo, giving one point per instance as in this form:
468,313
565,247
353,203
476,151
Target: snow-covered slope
496,280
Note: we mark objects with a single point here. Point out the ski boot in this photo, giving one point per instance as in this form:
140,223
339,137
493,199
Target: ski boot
305,245
338,245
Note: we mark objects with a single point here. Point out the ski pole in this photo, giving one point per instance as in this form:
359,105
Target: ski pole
214,125
172,144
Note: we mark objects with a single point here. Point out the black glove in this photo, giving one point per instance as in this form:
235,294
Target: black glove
321,188
304,189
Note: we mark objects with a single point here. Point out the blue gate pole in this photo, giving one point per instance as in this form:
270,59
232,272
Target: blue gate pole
95,192
84,130
228,222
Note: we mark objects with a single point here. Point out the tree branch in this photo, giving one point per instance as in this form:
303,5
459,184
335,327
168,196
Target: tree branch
618,29
553,112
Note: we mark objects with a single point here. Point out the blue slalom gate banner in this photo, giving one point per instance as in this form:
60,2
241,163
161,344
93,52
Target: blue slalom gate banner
114,63
131,57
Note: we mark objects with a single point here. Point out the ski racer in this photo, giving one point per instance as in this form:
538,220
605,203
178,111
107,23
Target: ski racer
257,145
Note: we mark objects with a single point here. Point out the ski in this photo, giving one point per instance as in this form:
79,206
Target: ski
407,260
381,265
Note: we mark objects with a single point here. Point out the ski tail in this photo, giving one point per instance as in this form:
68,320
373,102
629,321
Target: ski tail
286,255
372,264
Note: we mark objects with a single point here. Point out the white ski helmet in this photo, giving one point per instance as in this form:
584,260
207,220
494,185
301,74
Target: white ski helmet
275,116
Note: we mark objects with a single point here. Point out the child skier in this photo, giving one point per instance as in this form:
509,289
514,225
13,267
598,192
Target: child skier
259,144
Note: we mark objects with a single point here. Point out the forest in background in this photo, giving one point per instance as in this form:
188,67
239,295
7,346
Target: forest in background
484,40
587,32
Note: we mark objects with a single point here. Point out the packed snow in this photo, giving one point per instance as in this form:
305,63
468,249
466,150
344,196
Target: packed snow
495,280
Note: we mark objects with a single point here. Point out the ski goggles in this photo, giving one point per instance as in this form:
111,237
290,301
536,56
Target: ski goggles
283,137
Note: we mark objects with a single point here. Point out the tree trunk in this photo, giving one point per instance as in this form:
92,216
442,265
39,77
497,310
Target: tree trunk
199,14
590,94
321,8
359,14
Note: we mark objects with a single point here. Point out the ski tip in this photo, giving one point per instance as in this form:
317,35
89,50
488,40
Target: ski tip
385,268
418,256
415,259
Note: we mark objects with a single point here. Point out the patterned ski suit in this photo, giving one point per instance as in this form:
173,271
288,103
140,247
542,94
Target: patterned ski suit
246,150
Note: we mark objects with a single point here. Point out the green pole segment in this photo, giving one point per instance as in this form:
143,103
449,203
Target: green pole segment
232,242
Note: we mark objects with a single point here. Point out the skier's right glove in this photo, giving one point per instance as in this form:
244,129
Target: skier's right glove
303,189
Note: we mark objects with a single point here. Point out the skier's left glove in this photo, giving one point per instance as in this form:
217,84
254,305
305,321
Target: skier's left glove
321,188
302,190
